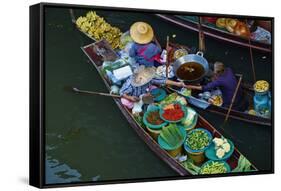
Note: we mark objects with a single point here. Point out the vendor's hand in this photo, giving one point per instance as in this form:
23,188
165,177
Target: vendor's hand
188,86
181,84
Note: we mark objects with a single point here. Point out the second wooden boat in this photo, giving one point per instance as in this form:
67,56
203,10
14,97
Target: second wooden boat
213,32
234,114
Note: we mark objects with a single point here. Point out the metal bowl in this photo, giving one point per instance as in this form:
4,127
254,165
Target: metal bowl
191,59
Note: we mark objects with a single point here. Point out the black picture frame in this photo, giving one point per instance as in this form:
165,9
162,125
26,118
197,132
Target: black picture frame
37,95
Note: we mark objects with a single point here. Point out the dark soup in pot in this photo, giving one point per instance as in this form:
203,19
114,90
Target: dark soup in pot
190,71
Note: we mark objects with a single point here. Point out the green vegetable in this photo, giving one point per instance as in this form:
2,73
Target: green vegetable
139,120
169,99
186,92
191,167
243,165
214,167
197,140
171,135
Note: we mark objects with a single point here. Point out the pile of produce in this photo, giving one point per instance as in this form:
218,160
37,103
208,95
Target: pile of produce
234,26
154,118
186,92
96,27
173,112
221,147
179,53
192,168
172,135
261,86
243,165
189,118
173,97
213,167
125,38
197,139
216,100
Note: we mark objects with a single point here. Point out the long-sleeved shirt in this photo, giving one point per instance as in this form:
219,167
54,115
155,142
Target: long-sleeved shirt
144,54
227,83
131,90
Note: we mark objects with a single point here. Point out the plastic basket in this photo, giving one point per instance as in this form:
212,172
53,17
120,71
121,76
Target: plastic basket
159,94
228,169
189,150
164,145
211,152
149,125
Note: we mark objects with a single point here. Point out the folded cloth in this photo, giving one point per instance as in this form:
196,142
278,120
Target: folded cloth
127,103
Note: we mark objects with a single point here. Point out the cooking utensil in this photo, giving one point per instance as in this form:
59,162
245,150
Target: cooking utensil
191,67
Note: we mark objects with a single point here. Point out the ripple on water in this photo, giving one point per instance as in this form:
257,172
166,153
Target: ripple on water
57,172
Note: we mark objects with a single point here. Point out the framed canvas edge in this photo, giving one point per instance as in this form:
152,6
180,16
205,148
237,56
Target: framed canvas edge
37,89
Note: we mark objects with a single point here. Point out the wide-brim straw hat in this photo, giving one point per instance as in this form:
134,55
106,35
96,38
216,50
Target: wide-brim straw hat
142,76
141,32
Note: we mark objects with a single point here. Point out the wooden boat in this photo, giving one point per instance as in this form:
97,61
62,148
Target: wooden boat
145,136
234,114
216,33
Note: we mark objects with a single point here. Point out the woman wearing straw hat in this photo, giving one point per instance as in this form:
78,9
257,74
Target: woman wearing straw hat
144,50
140,83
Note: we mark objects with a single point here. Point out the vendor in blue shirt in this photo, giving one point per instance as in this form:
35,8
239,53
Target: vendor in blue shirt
140,83
225,80
146,50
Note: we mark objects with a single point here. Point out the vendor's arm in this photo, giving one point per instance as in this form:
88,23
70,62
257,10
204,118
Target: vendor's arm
174,83
207,87
164,81
131,98
126,91
194,87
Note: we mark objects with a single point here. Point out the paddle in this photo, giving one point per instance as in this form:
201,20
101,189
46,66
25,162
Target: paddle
74,89
202,46
167,61
232,100
147,99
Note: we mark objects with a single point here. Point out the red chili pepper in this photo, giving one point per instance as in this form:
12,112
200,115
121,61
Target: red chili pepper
173,114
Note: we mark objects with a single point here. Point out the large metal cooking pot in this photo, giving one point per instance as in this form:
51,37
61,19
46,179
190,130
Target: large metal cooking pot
191,67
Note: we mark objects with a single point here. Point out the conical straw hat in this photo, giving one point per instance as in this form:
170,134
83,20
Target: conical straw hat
141,32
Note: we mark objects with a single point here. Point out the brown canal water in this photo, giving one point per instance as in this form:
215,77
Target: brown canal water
88,139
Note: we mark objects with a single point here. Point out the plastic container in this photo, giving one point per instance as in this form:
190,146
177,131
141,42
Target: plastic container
211,152
159,94
261,102
153,130
228,169
197,155
173,151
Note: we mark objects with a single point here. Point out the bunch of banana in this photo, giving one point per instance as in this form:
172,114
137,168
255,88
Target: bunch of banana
98,28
